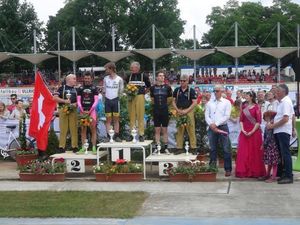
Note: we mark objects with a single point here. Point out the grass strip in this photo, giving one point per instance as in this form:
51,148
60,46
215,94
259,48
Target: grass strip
70,204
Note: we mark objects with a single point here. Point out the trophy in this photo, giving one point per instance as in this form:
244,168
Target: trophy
158,149
134,134
111,133
86,146
187,148
68,95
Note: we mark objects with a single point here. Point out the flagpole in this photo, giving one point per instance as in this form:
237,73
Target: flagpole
58,49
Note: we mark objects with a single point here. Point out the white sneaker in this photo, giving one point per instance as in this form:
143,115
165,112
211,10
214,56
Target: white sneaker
167,152
155,152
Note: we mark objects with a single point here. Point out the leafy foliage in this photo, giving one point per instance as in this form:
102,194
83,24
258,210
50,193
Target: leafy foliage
132,19
44,167
257,26
201,131
192,167
121,166
53,142
26,147
22,132
124,117
17,22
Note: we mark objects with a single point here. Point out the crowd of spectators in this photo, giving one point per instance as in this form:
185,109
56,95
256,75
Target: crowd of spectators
27,79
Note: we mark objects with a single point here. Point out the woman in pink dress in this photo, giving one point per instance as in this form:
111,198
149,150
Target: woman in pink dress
249,162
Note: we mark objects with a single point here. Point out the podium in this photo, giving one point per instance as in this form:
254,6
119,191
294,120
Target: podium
166,162
75,162
138,145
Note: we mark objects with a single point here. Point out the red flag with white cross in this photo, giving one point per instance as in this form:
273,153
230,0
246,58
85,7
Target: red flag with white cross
43,106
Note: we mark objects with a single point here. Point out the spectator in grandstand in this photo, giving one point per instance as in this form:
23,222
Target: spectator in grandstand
19,112
12,106
283,129
87,100
113,87
217,114
184,102
19,82
249,162
3,83
4,113
261,78
136,106
66,96
161,97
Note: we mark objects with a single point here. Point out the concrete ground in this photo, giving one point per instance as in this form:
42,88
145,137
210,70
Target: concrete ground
227,201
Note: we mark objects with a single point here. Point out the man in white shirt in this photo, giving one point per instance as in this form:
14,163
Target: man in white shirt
113,87
283,129
217,114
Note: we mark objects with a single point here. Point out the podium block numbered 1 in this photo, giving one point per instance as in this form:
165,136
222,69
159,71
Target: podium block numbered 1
120,153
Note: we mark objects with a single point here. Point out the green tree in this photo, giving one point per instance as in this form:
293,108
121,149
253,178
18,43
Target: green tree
257,25
93,20
165,15
17,22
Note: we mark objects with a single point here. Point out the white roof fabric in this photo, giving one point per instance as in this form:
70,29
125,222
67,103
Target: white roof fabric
72,55
113,56
4,56
195,54
278,52
33,58
236,52
153,53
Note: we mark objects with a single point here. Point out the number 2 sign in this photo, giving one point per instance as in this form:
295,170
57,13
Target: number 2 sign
75,165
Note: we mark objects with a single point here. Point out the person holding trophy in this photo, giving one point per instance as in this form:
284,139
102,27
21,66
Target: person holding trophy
136,105
66,96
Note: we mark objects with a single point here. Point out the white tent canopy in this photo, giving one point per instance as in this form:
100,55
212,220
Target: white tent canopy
32,57
153,53
4,56
278,52
113,56
195,54
236,52
72,55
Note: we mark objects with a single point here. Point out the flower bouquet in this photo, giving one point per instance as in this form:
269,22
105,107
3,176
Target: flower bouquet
172,113
85,120
67,108
131,91
182,121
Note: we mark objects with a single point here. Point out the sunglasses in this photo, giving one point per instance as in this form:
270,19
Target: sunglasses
217,90
182,80
13,98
